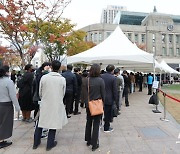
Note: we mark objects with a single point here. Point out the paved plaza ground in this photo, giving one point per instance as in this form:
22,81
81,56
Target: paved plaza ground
136,131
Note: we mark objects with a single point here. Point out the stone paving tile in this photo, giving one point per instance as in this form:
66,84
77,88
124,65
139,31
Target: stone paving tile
125,139
138,146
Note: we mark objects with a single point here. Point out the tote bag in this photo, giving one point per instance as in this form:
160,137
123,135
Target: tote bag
95,106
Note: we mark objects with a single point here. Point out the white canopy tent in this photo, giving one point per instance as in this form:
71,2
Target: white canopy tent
117,49
167,68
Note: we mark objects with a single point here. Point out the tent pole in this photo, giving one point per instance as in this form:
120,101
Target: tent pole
160,79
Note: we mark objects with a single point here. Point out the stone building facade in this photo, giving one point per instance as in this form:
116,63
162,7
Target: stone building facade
153,32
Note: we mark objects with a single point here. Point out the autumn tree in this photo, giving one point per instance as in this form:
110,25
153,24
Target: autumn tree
77,43
53,36
9,57
58,38
15,17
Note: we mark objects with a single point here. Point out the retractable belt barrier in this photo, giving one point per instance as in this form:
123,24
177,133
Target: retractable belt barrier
166,95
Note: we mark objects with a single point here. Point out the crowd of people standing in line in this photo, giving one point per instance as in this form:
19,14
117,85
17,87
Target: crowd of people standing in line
61,94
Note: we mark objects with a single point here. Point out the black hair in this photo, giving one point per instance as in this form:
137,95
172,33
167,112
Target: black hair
95,70
110,68
56,65
125,72
84,73
6,68
116,71
69,67
2,72
76,69
28,66
45,64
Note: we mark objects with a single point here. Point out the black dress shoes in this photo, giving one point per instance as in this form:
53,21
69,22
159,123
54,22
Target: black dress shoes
95,147
88,143
36,146
76,113
4,144
49,148
68,116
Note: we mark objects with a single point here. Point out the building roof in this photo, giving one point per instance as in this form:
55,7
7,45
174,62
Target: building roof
136,18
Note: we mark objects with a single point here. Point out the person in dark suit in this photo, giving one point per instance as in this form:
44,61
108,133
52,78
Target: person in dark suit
71,89
96,91
78,94
140,81
83,88
126,86
111,96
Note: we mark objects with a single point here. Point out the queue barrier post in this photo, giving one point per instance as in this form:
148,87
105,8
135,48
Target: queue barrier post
164,118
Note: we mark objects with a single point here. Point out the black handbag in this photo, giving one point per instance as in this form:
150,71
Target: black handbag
153,99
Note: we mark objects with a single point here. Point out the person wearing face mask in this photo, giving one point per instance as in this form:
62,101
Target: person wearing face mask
25,93
43,70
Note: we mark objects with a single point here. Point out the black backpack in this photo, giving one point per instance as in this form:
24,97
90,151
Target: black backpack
20,82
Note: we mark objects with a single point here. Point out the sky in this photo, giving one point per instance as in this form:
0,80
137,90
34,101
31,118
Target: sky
87,12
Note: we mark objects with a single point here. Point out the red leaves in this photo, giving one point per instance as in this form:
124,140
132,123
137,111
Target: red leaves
9,18
52,38
61,39
23,28
32,50
1,7
3,49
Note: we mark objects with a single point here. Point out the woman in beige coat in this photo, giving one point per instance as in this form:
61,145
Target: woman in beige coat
52,111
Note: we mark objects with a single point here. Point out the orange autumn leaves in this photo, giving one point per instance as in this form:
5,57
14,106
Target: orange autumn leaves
53,38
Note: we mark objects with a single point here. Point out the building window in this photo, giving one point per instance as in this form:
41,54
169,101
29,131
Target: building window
153,38
163,38
154,50
164,53
170,38
95,37
100,37
178,52
177,38
171,53
143,38
86,38
136,38
129,36
91,37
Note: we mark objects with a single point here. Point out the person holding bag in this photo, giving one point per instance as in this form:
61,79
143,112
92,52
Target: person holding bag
96,91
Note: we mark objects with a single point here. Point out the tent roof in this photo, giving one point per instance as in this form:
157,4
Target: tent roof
167,68
117,49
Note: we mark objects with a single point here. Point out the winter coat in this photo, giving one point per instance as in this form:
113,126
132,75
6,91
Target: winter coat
52,111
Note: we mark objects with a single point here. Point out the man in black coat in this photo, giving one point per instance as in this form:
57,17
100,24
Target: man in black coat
126,86
78,95
71,89
110,97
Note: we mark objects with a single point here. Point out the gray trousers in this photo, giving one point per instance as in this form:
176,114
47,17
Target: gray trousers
120,98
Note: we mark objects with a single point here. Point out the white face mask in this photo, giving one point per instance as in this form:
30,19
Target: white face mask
47,68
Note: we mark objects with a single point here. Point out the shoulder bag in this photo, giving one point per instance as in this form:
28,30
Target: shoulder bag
95,106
